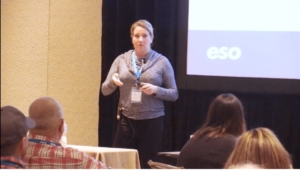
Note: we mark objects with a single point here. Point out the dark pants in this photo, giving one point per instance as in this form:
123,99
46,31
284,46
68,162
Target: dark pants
143,135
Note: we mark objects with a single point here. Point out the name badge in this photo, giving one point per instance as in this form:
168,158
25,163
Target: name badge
136,95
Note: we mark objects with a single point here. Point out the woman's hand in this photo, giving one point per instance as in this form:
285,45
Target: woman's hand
116,79
149,89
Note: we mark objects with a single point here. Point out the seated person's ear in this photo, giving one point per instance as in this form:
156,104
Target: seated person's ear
24,142
23,146
61,125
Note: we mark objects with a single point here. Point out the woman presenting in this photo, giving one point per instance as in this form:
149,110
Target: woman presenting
145,78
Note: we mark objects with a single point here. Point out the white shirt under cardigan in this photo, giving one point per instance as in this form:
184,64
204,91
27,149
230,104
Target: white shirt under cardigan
156,70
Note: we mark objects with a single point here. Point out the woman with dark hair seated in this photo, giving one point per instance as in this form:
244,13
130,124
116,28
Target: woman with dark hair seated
212,144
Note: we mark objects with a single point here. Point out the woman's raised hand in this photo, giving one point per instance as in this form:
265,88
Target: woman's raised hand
116,79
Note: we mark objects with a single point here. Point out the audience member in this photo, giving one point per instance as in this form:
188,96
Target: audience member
44,150
211,145
14,128
261,147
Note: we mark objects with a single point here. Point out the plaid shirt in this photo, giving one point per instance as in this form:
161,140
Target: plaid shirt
52,155
11,162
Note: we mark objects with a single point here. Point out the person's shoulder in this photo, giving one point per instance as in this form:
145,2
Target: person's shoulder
223,139
73,153
162,59
193,142
90,162
230,137
157,55
126,54
226,140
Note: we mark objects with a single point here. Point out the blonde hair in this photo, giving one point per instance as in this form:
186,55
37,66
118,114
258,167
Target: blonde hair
261,147
144,24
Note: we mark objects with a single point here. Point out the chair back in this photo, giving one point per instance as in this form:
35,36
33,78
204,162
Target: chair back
159,165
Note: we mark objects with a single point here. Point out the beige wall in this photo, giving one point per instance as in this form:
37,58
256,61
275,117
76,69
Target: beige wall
52,48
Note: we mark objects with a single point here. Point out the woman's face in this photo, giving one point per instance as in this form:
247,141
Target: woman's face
141,41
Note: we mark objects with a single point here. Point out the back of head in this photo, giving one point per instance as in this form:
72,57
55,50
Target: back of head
225,116
260,146
14,127
47,113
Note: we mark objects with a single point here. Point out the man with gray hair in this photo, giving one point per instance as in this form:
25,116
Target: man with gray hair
44,150
14,128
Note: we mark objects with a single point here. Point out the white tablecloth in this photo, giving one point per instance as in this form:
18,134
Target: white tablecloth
116,158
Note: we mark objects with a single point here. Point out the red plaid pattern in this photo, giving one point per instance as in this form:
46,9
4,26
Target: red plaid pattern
11,162
44,156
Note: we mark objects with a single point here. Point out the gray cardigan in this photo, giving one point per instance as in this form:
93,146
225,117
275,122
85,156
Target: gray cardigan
157,70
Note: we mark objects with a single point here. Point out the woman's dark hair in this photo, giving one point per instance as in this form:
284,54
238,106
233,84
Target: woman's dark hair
225,116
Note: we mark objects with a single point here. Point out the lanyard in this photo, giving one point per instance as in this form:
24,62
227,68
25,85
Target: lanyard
136,72
44,142
10,163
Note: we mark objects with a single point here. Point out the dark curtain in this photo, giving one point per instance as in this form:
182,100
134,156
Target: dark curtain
281,113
